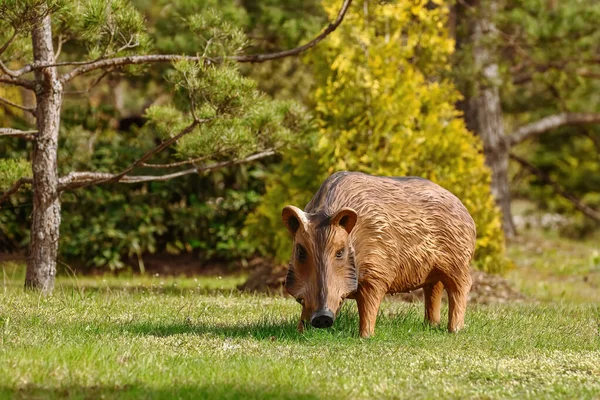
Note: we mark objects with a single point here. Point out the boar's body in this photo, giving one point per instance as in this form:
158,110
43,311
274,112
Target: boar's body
409,233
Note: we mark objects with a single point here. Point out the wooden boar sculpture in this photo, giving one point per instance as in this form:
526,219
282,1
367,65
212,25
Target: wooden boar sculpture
363,236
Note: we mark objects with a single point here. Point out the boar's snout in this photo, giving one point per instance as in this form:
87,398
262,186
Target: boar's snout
322,318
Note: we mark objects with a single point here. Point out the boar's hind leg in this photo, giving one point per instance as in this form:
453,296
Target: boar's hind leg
433,302
368,300
458,292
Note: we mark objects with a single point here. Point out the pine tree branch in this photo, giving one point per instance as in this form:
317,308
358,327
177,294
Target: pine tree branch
59,44
40,65
7,70
13,189
523,77
520,76
8,42
30,110
27,135
76,180
292,52
86,67
121,61
93,85
163,145
586,73
109,178
179,163
577,202
551,122
10,80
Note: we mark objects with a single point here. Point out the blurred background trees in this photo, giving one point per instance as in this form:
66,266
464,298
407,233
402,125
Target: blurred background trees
384,106
212,117
529,70
383,95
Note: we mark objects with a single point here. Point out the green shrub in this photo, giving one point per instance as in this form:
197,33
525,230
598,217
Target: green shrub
383,108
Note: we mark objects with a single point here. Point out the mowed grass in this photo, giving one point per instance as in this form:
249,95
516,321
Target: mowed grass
550,268
179,338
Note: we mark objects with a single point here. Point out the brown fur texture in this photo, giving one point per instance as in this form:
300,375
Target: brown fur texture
363,236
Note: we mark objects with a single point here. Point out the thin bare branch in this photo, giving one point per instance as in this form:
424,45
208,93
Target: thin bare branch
190,128
76,180
223,164
292,52
7,70
59,44
17,82
179,163
27,135
30,110
156,58
13,189
131,44
577,202
8,42
520,76
93,85
586,73
120,61
551,122
109,178
522,73
39,65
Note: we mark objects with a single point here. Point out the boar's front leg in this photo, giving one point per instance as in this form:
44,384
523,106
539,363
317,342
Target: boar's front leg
303,317
368,300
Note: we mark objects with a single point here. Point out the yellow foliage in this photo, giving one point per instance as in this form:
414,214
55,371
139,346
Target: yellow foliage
11,93
383,108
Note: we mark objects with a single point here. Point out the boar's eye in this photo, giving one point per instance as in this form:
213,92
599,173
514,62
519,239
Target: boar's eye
300,253
339,254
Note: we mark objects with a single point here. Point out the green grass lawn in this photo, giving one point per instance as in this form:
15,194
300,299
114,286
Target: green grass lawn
551,268
157,337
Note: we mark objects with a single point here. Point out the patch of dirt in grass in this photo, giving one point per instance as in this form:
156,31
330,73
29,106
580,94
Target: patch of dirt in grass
489,288
486,289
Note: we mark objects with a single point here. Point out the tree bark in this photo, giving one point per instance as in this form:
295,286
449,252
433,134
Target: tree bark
45,223
481,106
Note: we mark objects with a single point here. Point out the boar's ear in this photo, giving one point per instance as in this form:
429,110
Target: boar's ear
346,218
293,218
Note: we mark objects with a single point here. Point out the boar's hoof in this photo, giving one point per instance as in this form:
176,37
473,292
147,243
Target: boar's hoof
322,319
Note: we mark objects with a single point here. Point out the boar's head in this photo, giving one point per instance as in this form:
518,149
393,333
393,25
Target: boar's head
322,271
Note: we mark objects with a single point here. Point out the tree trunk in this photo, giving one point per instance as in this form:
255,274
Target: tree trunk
45,223
482,109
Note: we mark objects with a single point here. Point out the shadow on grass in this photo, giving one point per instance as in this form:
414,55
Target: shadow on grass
140,391
285,329
144,289
346,326
266,328
86,289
